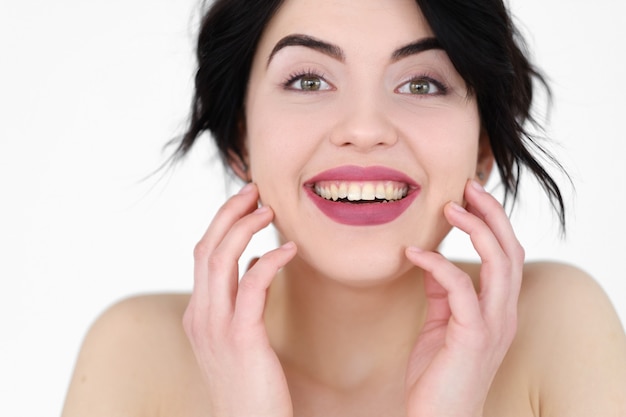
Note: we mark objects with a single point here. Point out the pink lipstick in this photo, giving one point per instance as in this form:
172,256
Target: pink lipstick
362,196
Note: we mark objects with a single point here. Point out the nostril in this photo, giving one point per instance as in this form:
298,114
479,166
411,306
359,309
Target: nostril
364,127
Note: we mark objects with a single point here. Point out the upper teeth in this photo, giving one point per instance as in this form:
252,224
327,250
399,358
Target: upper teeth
362,190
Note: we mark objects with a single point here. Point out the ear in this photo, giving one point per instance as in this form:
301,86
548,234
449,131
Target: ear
484,163
239,166
239,163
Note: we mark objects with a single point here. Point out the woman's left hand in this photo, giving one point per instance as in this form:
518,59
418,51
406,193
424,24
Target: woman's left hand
466,334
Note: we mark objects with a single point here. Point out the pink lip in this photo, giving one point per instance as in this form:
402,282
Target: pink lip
366,214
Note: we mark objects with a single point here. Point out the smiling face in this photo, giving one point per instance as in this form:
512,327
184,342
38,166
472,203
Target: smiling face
358,131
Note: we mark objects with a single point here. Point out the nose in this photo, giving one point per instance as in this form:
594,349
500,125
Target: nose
364,124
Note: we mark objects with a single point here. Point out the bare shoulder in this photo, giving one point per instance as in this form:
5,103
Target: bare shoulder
564,295
131,350
574,342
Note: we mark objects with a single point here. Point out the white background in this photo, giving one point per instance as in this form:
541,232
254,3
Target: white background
90,92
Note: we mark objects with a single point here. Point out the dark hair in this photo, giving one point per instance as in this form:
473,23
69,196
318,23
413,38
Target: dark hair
478,36
229,34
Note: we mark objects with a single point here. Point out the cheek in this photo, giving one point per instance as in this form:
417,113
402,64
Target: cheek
455,162
275,151
276,154
445,141
283,136
446,145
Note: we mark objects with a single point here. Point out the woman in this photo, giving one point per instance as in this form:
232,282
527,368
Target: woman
366,130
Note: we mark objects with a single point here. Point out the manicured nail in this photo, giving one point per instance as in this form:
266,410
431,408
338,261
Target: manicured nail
247,189
457,207
476,185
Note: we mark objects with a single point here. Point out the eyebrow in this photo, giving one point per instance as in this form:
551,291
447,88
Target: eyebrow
337,53
310,42
413,48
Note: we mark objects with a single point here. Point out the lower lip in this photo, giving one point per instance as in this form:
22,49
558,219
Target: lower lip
364,214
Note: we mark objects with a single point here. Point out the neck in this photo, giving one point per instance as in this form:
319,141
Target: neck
341,334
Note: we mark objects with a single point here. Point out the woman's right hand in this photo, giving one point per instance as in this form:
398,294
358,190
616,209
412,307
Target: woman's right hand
224,319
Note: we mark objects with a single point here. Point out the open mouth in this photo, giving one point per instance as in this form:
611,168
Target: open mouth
362,196
361,192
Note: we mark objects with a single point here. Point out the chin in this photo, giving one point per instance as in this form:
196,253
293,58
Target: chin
358,266
359,255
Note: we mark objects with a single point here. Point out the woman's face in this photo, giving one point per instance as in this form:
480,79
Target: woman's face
355,102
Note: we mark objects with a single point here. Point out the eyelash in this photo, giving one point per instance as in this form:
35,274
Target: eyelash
441,87
301,74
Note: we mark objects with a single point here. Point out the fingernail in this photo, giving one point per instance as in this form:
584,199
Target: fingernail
262,210
414,249
288,246
457,207
476,185
247,188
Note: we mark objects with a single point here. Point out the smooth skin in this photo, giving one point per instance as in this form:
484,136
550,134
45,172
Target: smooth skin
564,360
359,321
464,331
237,348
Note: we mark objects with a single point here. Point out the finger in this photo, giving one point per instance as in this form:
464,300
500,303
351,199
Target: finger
496,269
252,292
489,210
437,299
462,297
252,262
492,235
235,208
483,239
223,263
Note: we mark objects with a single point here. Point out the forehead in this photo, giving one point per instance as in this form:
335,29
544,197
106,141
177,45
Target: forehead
359,24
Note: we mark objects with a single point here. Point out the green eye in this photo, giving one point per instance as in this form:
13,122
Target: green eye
420,87
310,83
